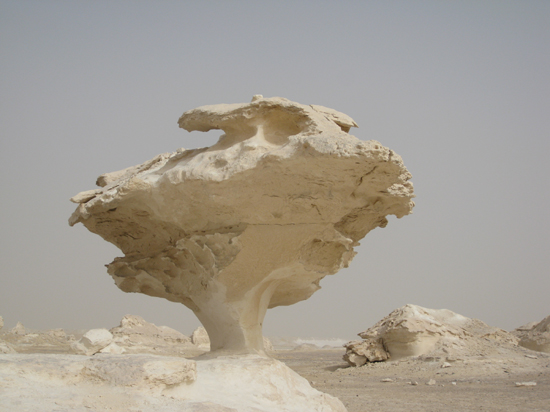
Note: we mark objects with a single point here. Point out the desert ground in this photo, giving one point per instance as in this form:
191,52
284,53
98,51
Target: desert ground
491,374
476,384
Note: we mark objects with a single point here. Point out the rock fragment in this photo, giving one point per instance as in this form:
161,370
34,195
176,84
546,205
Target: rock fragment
92,342
19,329
136,335
535,336
526,384
360,352
200,338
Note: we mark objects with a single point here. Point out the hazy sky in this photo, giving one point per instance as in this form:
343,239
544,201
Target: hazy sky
459,89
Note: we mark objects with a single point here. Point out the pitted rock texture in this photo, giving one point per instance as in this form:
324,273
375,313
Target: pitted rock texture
252,222
136,335
412,331
150,383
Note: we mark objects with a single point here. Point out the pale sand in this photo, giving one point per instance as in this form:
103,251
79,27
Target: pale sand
481,383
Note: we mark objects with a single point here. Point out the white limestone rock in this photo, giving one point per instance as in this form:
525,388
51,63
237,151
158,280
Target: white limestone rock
92,342
153,374
113,349
150,383
360,352
19,329
535,336
251,223
1,322
5,347
200,338
136,335
416,331
253,383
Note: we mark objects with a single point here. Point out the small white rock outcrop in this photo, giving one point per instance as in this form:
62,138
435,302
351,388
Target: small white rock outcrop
136,335
19,329
416,331
200,338
535,336
92,342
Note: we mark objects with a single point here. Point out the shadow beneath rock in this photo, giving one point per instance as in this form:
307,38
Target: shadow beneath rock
336,367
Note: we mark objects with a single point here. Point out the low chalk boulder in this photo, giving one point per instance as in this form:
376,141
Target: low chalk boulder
1,322
360,352
200,338
535,336
92,342
19,329
416,331
253,383
113,348
136,335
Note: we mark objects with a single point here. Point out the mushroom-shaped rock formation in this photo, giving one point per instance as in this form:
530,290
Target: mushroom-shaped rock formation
252,222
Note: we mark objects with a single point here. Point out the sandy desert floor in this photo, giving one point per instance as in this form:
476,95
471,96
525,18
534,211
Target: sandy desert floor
473,384
484,377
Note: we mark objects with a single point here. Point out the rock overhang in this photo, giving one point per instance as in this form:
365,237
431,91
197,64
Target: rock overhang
258,218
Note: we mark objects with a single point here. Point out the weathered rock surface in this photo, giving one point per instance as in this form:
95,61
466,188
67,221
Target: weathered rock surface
1,322
414,331
251,223
19,329
200,338
92,342
535,336
151,383
136,335
370,350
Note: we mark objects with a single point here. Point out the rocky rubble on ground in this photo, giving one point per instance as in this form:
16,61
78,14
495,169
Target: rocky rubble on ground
136,335
21,340
133,335
416,331
535,336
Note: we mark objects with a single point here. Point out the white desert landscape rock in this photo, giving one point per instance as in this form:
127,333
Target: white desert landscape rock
254,222
251,223
92,342
136,335
535,336
415,331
